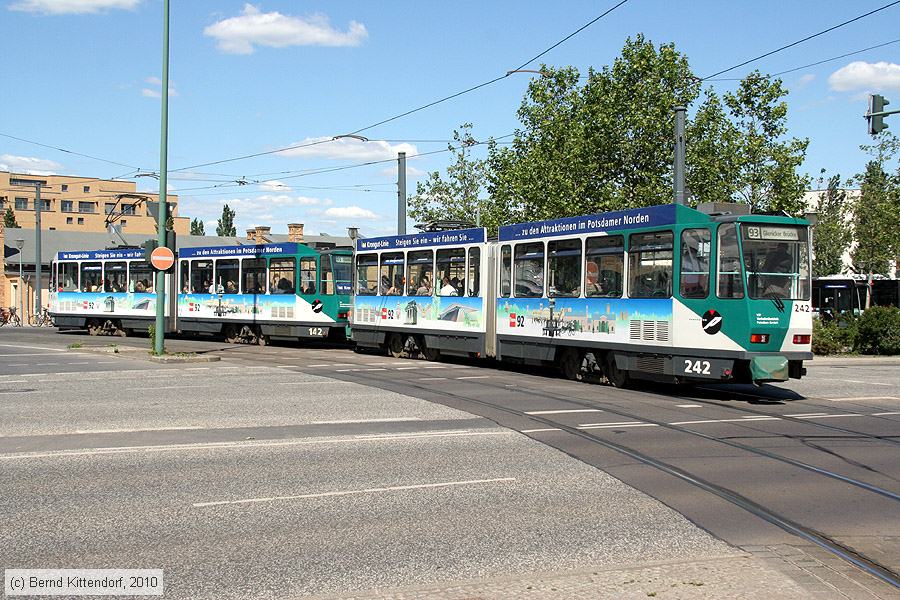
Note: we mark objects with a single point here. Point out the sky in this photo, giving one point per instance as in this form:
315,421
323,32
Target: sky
82,88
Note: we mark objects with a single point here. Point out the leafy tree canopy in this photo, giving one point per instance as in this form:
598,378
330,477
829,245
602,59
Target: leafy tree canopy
197,227
226,226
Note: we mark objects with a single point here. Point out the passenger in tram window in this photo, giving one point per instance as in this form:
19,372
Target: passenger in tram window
448,289
424,288
139,287
385,285
284,286
230,288
397,288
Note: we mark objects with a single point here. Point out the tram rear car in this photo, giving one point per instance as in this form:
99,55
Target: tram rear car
103,291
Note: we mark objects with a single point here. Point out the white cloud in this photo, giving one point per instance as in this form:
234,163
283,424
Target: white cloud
805,80
860,75
274,186
156,90
348,149
28,165
239,35
71,7
351,212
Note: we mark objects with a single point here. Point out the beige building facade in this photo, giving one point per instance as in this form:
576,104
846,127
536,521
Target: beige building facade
84,204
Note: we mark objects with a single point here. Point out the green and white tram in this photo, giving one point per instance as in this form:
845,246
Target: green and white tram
258,292
663,293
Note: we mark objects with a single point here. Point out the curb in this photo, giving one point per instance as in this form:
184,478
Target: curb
174,358
139,353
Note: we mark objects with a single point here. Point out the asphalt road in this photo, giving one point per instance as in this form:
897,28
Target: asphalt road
291,470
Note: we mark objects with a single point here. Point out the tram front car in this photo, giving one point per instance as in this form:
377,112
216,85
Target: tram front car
762,298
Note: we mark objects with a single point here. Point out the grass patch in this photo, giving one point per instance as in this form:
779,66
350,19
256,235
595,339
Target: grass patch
75,345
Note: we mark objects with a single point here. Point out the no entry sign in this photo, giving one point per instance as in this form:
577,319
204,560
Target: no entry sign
162,258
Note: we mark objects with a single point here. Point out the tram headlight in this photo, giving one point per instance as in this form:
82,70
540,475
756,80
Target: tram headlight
759,338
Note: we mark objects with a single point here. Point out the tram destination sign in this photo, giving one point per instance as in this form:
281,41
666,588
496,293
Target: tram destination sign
123,254
651,216
456,237
237,251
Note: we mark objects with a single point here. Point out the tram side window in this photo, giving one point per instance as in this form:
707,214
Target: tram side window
281,274
728,268
91,277
694,276
420,273
308,274
604,266
227,276
529,270
185,277
474,271
140,277
650,264
114,276
254,272
68,277
392,274
202,277
366,274
505,271
451,271
342,267
564,268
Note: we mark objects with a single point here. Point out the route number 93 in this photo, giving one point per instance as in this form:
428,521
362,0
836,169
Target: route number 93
698,367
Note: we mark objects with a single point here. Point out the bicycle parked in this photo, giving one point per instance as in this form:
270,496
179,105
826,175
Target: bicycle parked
42,320
9,316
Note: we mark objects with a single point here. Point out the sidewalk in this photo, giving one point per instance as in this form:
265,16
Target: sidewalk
856,360
760,573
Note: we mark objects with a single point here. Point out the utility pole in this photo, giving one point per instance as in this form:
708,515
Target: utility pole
678,179
401,193
159,330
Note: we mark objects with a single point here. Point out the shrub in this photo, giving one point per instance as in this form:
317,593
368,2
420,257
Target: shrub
878,330
832,337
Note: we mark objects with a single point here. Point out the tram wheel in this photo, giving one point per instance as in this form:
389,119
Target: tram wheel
429,354
395,346
231,334
570,363
616,376
93,327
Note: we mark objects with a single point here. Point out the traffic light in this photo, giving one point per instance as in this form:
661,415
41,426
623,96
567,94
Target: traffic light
876,120
170,241
149,246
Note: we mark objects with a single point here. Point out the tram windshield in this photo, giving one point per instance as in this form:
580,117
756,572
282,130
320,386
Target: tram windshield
343,273
776,259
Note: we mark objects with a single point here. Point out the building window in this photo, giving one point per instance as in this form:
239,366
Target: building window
69,220
87,189
85,207
46,204
123,222
21,203
65,187
109,208
127,209
81,220
66,206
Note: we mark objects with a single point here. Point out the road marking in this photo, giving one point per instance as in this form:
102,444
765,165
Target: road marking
741,420
89,431
174,387
17,381
858,381
378,490
432,379
197,369
350,421
250,445
407,368
560,412
798,415
540,430
28,354
617,425
32,347
78,363
46,364
832,416
374,369
688,406
884,414
322,365
474,377
858,398
18,365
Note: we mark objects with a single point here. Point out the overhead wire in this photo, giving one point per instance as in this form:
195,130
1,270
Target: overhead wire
112,162
800,41
820,62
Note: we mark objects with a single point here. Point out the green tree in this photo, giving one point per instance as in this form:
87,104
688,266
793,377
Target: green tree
768,177
9,219
604,145
197,227
712,170
226,226
458,196
832,233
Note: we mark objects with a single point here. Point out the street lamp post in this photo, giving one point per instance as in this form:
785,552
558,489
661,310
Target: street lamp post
159,330
20,243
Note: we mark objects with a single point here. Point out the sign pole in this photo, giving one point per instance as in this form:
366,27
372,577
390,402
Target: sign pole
159,330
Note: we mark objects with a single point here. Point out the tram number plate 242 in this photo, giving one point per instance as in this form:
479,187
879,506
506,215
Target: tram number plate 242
713,368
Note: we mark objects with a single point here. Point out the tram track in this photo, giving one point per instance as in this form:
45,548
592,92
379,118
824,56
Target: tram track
859,560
